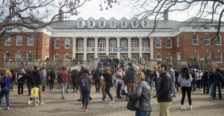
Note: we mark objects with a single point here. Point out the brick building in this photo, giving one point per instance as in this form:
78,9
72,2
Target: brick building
86,39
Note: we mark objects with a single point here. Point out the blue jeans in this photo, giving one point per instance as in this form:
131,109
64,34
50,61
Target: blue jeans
5,91
108,93
85,97
139,113
173,88
214,91
97,83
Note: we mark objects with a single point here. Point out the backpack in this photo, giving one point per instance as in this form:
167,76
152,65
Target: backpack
85,84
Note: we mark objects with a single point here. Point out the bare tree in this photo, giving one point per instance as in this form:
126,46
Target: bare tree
36,14
203,8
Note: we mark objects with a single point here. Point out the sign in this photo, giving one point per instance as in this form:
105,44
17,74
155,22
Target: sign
118,49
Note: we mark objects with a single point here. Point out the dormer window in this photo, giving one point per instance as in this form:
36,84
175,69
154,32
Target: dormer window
80,24
134,24
145,23
91,24
102,24
123,24
112,24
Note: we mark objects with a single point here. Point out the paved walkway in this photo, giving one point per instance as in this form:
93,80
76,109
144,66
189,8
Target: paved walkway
203,105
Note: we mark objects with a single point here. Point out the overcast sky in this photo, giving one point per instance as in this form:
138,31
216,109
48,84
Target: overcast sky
123,9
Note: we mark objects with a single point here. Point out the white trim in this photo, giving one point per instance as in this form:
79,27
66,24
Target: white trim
69,43
159,43
21,40
28,40
8,39
193,39
197,56
5,55
170,43
57,55
47,40
220,58
55,44
115,24
161,57
18,52
67,54
220,41
208,39
125,22
132,23
27,55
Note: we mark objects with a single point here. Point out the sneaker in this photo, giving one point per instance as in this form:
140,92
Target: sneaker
42,103
7,108
29,102
190,107
111,102
35,105
182,107
86,110
0,108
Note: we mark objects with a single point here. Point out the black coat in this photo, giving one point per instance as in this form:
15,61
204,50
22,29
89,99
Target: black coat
164,88
130,75
108,79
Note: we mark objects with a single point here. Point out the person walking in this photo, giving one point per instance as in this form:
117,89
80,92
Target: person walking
5,88
21,76
185,80
51,78
218,78
172,74
164,91
36,79
142,95
119,82
85,84
107,75
75,78
129,78
63,77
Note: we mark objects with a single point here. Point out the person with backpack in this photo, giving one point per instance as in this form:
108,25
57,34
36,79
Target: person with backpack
5,88
85,85
63,77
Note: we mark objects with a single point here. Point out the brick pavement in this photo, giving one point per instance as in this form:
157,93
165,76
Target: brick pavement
203,105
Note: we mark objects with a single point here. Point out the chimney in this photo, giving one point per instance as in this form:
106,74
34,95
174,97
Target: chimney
61,15
165,15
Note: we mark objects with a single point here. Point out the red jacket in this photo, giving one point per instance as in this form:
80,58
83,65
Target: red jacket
63,76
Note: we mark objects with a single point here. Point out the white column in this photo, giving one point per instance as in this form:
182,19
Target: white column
118,46
140,47
73,48
85,49
107,46
151,49
96,48
129,47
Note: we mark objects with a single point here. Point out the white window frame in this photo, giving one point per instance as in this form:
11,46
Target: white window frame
196,39
145,21
8,40
132,23
160,43
104,23
197,56
56,55
178,41
28,39
5,55
90,24
68,44
113,26
125,24
220,57
219,39
80,26
47,42
69,57
20,56
209,57
17,40
169,43
169,57
207,39
55,44
27,56
46,55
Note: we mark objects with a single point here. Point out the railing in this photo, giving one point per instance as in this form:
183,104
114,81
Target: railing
102,48
91,49
145,49
80,49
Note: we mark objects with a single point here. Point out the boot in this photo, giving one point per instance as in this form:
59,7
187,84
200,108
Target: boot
83,107
86,109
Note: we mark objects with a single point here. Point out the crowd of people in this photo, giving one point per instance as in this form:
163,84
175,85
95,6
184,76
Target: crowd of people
134,83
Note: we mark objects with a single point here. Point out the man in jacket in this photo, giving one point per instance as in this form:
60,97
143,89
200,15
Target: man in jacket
172,74
164,91
63,77
217,83
129,78
37,82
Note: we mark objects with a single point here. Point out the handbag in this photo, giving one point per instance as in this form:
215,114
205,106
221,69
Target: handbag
133,105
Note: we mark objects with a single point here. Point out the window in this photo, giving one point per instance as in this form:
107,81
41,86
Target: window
207,56
113,44
30,40
67,43
219,56
195,39
67,56
19,40
18,56
102,45
206,39
56,57
145,23
101,24
8,41
29,56
158,43
218,40
80,45
169,57
7,55
112,24
123,24
47,42
195,55
178,42
169,43
158,56
80,24
46,55
57,43
134,24
91,24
